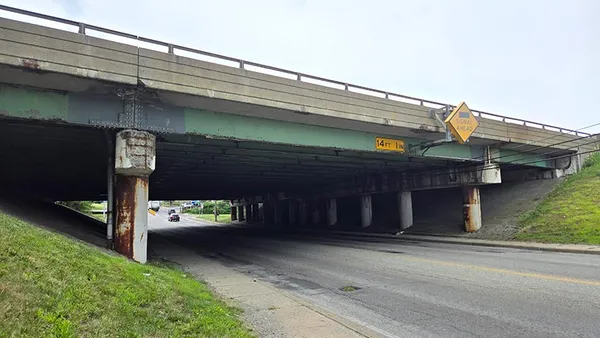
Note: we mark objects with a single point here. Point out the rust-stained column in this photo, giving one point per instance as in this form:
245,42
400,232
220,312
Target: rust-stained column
135,156
471,208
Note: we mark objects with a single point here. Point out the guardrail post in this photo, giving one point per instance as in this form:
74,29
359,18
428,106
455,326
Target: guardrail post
171,49
241,64
81,28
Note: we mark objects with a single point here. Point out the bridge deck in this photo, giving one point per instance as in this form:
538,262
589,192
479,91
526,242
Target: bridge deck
198,84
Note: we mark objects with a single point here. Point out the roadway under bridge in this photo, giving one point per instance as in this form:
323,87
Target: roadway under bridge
82,118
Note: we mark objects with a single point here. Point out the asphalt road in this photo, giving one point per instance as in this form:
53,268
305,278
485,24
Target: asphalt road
409,288
160,220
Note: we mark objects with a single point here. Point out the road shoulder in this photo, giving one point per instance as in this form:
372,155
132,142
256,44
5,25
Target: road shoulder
271,312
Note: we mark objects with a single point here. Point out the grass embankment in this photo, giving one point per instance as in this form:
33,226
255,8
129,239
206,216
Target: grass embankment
220,218
571,213
52,286
97,206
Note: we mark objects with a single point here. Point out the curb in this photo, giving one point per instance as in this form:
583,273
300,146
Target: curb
592,250
448,239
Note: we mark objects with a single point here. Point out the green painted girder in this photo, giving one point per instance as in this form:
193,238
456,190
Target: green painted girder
108,110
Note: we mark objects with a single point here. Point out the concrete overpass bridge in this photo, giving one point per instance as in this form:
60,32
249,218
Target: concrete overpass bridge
285,147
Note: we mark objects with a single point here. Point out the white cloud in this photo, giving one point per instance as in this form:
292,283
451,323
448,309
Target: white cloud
535,59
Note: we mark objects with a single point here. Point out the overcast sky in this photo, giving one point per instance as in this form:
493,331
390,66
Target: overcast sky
532,59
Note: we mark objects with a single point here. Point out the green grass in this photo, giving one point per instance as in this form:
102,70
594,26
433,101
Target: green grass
97,206
221,218
100,217
571,213
349,288
53,286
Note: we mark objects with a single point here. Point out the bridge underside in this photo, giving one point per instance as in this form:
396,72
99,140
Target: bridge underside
65,162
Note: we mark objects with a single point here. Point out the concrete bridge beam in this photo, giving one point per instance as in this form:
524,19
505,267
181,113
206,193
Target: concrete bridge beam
135,158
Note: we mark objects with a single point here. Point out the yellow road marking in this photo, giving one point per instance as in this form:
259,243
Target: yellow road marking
509,272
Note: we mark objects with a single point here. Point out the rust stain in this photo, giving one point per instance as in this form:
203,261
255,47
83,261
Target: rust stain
125,212
471,200
427,128
31,64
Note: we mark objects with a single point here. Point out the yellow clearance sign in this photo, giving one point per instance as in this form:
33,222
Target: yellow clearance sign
462,123
389,144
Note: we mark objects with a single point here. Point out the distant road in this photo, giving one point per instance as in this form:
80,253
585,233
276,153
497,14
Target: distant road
160,220
416,289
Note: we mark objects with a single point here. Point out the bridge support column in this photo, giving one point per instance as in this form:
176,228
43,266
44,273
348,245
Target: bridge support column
331,207
249,218
255,216
293,212
405,208
233,213
267,210
366,211
471,208
135,156
240,211
261,212
277,212
302,213
314,212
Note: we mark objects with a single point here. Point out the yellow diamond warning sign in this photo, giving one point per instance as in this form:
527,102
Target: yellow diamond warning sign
462,123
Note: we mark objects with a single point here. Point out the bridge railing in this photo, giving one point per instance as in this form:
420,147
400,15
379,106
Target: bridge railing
243,64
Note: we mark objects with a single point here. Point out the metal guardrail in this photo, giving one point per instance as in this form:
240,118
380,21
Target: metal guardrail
171,48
